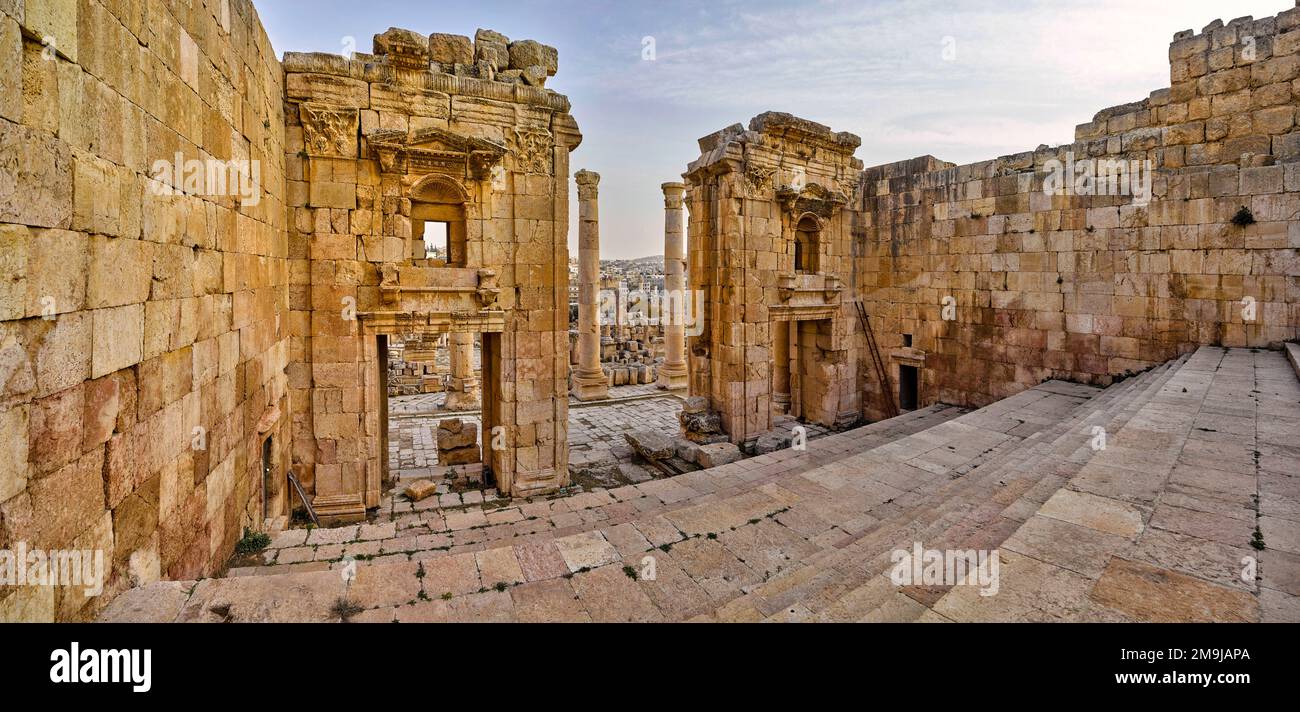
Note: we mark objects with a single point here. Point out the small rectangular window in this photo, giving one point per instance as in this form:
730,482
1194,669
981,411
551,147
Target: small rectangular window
907,340
436,240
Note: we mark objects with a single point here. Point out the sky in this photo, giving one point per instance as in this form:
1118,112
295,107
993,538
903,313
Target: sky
961,80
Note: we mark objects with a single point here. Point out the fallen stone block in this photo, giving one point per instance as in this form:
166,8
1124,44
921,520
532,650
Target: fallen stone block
651,445
717,454
771,442
688,451
453,434
420,489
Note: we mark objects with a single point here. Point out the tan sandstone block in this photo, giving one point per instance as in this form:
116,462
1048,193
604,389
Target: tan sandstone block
36,185
55,434
120,271
13,456
118,339
63,356
55,22
56,272
15,245
28,604
328,89
40,89
451,49
11,81
63,502
135,520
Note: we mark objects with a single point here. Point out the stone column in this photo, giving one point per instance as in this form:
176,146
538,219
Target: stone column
589,381
673,373
462,394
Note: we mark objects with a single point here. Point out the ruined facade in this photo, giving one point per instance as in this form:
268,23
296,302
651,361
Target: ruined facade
379,146
979,281
770,252
173,349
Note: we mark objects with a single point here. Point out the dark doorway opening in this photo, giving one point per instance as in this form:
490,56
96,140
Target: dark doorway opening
268,471
908,382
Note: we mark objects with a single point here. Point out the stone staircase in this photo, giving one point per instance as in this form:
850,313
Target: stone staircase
1154,526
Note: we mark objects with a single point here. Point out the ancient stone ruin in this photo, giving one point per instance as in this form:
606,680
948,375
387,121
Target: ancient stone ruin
208,254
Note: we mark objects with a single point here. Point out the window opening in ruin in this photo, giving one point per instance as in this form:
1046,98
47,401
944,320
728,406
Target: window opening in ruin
436,237
907,340
806,248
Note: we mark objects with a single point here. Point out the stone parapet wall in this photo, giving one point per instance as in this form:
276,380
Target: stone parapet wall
143,335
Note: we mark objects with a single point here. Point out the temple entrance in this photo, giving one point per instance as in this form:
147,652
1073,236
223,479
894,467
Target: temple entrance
802,372
439,407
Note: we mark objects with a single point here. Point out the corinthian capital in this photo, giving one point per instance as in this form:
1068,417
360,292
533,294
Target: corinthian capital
587,182
673,195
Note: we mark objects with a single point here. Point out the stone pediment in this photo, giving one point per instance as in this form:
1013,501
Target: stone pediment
811,198
434,150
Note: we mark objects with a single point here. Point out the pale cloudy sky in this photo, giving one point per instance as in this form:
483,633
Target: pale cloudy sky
1022,72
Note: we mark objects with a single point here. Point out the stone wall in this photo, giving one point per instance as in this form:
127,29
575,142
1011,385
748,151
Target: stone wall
1088,287
143,341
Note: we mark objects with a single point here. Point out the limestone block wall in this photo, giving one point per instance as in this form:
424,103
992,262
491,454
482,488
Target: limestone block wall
142,334
1090,286
749,194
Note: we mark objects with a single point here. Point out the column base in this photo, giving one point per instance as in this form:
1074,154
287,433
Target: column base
536,483
587,388
460,400
672,380
339,509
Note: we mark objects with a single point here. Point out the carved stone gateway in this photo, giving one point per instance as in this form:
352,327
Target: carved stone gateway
432,147
778,332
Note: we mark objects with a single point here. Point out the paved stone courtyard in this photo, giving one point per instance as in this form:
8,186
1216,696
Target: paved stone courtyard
1154,527
598,453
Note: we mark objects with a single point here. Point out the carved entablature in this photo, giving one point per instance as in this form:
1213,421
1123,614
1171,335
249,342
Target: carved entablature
404,49
329,131
812,198
534,151
434,150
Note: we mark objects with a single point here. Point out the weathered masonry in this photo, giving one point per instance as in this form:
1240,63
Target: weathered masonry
203,251
381,148
1177,226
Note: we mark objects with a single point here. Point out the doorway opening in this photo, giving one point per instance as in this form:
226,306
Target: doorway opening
268,473
908,387
437,406
802,372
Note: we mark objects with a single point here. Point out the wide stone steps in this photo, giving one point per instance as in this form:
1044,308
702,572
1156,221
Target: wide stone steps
962,514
